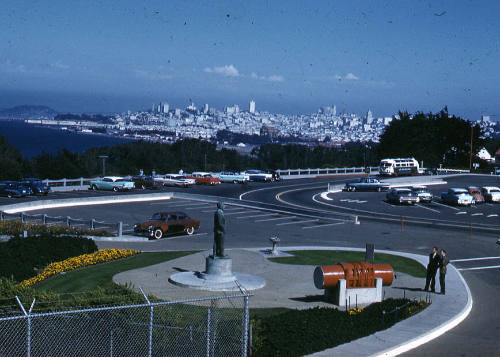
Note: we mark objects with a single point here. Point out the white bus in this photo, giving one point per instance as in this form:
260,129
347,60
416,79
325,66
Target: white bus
398,167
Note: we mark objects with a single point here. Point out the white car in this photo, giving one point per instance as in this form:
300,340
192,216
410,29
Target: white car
234,177
491,193
175,180
457,196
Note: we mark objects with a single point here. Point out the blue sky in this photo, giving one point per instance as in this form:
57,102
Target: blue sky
289,56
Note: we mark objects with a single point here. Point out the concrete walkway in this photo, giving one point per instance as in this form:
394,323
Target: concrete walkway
292,286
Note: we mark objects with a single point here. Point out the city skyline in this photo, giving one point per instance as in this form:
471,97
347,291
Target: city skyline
118,56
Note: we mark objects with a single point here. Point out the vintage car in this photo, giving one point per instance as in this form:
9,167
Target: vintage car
366,184
457,196
275,174
491,193
402,195
175,180
475,192
113,183
234,177
424,195
204,178
258,175
14,189
36,185
163,223
143,182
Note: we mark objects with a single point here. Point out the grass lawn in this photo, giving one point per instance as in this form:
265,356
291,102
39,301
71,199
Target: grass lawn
330,257
101,275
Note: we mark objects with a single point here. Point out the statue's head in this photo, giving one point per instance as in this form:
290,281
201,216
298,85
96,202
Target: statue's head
220,205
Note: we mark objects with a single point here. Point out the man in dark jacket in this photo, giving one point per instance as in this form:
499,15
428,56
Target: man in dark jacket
432,268
443,262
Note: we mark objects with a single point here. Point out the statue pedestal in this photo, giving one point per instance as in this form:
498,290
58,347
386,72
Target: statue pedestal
218,276
218,269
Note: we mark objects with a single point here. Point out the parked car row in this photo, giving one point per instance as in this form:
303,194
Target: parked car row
471,195
23,188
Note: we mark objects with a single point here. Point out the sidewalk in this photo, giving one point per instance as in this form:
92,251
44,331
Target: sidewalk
292,286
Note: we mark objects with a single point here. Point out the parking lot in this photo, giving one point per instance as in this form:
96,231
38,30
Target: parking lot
375,203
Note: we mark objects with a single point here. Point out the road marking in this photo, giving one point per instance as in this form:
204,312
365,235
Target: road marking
353,201
473,259
430,209
297,222
233,213
461,212
480,268
477,214
259,215
274,187
274,219
448,206
229,210
390,204
323,225
492,215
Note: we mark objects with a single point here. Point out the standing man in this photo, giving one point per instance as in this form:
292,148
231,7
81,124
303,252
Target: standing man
219,231
432,268
443,262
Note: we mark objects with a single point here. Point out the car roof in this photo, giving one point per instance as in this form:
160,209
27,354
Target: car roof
419,187
172,212
113,177
458,189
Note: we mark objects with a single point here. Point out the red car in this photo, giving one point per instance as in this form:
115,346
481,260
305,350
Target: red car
163,223
204,178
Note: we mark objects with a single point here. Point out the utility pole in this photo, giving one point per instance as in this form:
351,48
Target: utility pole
471,135
103,157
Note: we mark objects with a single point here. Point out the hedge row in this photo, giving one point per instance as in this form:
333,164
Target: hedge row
301,332
16,228
23,258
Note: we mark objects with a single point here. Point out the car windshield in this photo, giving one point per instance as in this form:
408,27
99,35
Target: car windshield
156,216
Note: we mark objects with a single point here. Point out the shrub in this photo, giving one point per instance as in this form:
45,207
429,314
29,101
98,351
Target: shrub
16,228
23,258
301,332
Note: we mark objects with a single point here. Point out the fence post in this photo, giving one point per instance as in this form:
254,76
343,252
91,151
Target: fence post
92,223
1,215
151,315
44,218
244,347
208,334
64,182
120,229
22,217
28,331
81,181
111,343
68,221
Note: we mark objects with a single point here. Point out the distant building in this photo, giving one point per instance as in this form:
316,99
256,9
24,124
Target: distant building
205,108
164,108
485,118
369,117
267,130
235,109
251,108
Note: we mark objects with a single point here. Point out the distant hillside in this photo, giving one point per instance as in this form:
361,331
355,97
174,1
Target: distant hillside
28,112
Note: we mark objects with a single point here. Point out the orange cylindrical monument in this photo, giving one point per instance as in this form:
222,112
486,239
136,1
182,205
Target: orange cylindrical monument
357,275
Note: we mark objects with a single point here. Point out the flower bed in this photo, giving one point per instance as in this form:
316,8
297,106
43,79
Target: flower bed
80,261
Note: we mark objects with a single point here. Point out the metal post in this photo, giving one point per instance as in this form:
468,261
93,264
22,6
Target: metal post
28,332
81,181
64,182
22,217
44,218
1,215
120,229
244,347
68,219
208,333
151,315
111,343
92,224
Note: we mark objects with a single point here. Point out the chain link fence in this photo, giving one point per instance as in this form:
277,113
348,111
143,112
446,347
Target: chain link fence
211,326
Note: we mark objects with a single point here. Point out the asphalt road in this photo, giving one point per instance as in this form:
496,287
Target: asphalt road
304,221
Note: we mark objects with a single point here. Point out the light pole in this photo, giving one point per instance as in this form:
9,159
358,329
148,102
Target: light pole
103,157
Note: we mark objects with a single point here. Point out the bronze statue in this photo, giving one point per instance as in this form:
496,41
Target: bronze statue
219,231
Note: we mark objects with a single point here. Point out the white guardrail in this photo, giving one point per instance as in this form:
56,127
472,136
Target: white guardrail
285,174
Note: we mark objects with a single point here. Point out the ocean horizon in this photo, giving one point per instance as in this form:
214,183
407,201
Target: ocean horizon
32,140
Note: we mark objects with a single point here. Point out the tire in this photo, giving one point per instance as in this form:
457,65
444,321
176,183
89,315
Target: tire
9,195
189,230
143,187
94,187
235,181
115,189
379,189
157,233
353,189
